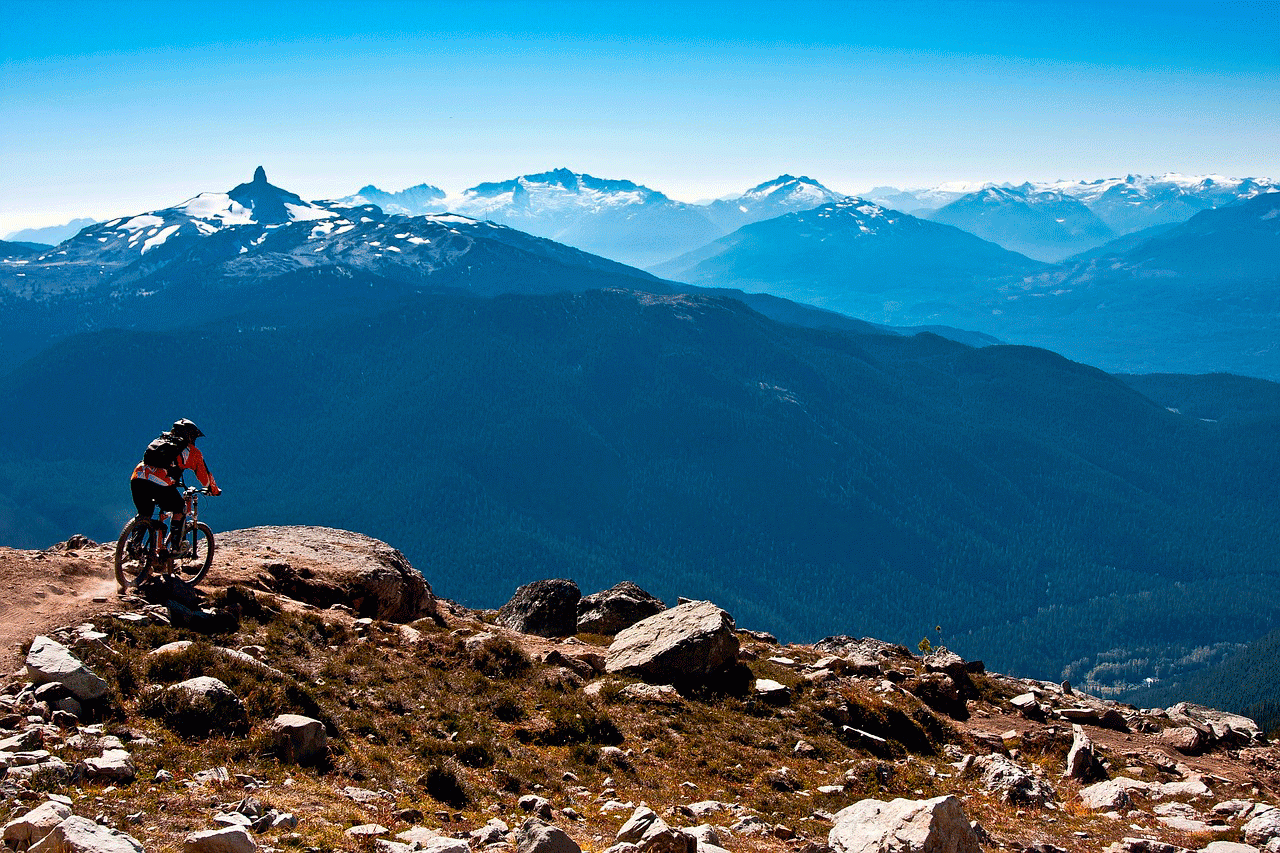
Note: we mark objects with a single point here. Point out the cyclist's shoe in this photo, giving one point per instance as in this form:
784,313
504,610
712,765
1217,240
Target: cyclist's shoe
182,550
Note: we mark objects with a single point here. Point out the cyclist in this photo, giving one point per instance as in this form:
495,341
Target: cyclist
155,480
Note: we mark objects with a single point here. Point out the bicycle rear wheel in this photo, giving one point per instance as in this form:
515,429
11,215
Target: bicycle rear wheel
193,561
133,559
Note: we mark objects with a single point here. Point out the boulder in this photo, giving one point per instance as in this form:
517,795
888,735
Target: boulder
81,835
323,567
1112,795
1263,828
50,661
535,836
115,765
1015,783
546,608
203,706
616,609
688,643
299,740
1082,761
1185,739
229,839
772,692
903,826
1226,726
21,832
651,834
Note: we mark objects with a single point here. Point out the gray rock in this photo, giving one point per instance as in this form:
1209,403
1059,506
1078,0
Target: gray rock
641,821
444,844
654,694
21,832
228,839
1112,795
50,661
81,835
323,566
299,740
772,692
1082,762
535,805
938,825
545,608
535,836
616,609
115,765
1228,847
1015,783
493,832
1185,739
366,832
203,706
685,643
1263,828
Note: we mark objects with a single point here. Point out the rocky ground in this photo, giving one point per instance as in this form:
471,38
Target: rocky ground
318,696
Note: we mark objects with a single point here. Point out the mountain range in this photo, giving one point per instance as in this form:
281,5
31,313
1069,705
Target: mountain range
1199,296
614,218
1045,225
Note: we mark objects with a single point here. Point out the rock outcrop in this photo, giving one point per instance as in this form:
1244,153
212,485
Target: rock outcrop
616,609
51,662
323,566
938,825
690,642
545,608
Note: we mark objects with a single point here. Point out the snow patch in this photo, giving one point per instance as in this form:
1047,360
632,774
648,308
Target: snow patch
160,238
146,220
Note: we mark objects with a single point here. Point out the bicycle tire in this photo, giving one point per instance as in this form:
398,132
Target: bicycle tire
130,570
192,565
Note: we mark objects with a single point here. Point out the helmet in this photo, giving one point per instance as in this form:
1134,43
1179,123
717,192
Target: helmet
184,428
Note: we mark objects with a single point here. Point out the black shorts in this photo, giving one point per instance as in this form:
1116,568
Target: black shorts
148,495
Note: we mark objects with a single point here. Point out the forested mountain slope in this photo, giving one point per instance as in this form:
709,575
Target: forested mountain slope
1043,513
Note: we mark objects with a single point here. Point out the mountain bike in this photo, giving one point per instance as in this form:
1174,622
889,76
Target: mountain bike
140,551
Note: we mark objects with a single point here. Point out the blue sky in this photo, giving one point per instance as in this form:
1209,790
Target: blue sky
112,108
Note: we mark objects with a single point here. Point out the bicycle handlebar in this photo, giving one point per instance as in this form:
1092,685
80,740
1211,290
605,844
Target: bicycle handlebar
192,490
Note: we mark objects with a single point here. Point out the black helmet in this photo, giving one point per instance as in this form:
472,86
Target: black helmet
185,429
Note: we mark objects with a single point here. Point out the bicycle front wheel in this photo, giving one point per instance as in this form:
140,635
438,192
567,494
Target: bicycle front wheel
132,554
193,561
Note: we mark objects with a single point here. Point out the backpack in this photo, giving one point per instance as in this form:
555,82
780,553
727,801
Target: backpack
164,452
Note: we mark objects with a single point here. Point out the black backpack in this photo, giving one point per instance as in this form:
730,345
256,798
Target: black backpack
164,452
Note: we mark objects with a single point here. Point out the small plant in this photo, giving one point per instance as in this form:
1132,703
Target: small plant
925,646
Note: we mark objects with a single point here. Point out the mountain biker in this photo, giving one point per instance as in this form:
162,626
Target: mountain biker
155,480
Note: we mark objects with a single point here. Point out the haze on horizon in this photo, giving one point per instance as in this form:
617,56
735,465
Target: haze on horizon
116,109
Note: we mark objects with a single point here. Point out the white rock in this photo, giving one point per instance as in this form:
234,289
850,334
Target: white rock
230,839
938,825
115,765
298,739
1263,828
24,831
81,835
50,661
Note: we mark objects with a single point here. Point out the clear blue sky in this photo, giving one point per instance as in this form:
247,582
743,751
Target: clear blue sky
112,108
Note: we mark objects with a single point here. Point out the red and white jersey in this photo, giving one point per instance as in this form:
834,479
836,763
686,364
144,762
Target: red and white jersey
190,459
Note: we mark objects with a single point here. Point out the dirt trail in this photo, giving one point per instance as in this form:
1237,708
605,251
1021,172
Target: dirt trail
42,590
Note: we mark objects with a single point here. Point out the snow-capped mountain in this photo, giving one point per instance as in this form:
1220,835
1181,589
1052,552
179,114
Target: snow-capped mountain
1124,204
923,198
853,256
617,219
784,194
260,250
413,201
1045,225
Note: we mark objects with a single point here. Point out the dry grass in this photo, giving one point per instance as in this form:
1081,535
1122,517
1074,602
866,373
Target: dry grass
461,733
